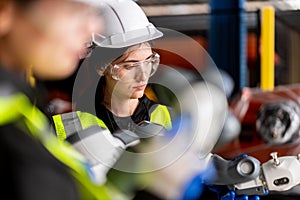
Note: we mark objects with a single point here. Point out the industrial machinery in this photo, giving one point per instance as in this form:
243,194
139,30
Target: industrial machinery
278,174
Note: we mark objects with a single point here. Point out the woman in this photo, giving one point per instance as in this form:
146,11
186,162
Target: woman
124,60
121,101
43,38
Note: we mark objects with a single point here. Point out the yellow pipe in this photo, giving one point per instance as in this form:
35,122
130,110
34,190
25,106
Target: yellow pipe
267,48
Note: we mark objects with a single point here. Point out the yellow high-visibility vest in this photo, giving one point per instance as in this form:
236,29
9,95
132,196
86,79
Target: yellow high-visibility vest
69,123
16,107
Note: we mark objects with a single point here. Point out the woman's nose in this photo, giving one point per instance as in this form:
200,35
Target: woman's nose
141,74
141,77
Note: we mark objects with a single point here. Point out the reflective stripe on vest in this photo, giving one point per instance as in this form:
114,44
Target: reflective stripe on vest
68,123
18,107
161,115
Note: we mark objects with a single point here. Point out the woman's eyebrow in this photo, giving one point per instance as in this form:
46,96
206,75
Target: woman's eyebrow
126,61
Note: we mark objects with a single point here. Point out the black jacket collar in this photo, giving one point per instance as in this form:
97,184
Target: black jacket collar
11,83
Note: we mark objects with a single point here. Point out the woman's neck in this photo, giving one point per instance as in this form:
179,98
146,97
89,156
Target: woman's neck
121,107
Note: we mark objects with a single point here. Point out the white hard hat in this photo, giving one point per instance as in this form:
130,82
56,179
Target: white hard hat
125,24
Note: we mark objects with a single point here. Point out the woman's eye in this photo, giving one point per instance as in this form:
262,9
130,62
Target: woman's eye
129,66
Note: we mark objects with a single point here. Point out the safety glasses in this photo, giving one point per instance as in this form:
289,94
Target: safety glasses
133,70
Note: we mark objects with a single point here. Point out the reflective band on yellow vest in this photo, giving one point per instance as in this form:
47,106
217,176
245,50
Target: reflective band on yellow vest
69,123
18,107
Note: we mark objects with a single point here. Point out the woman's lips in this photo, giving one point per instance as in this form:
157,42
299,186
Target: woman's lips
140,87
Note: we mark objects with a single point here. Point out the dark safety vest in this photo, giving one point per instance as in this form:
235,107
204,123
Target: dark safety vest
16,107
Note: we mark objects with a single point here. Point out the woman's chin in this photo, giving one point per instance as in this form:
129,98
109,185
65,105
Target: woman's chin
137,95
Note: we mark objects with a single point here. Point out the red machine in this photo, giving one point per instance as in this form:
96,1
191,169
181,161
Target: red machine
270,122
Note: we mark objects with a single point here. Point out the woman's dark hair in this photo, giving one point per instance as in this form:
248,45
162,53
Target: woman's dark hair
100,90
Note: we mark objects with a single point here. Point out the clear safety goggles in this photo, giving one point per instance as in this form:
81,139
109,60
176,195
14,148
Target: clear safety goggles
132,70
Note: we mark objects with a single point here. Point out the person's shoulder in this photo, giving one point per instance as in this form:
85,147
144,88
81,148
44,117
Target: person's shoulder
11,84
14,98
7,84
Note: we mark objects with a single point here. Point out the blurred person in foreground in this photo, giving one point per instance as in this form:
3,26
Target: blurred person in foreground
43,38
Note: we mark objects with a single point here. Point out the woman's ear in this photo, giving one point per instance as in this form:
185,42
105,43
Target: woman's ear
7,9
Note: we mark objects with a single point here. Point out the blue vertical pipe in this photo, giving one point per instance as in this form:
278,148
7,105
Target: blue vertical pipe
227,39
